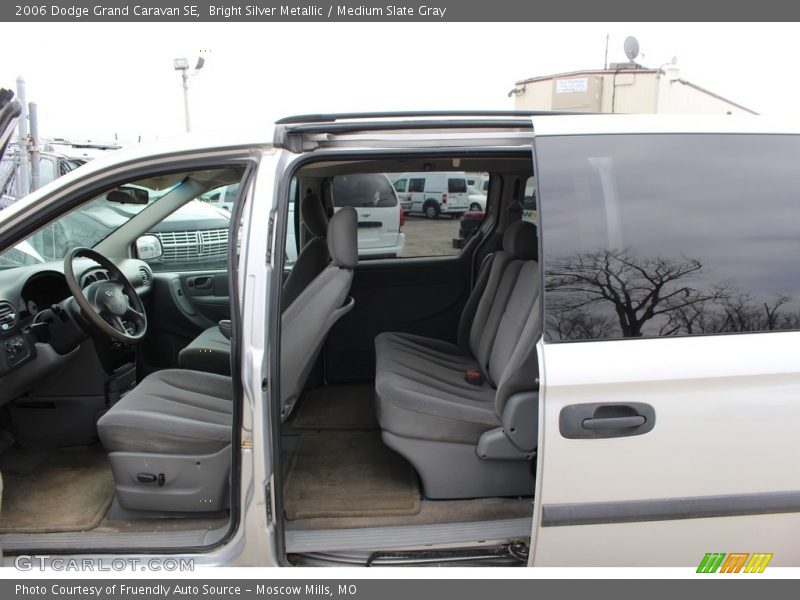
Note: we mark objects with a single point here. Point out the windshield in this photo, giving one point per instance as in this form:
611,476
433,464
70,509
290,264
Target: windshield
88,224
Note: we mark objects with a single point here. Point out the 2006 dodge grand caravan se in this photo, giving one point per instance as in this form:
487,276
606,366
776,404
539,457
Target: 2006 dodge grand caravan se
615,384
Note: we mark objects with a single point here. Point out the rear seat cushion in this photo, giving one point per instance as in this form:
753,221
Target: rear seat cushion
441,406
427,355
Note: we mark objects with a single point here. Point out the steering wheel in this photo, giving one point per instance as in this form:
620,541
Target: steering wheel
107,304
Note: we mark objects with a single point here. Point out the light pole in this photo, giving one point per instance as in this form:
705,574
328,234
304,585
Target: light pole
182,65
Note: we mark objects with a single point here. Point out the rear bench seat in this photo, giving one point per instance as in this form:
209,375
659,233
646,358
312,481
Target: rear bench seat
466,415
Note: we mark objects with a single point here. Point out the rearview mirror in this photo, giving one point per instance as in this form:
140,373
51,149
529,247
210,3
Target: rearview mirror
149,247
128,195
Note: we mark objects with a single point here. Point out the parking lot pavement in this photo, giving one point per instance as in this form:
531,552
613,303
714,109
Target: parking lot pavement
430,237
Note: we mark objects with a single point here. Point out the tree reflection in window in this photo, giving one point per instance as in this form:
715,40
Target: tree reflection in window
617,293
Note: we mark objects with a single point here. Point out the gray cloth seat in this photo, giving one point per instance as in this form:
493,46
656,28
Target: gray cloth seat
211,351
306,322
314,255
172,411
169,439
169,442
444,424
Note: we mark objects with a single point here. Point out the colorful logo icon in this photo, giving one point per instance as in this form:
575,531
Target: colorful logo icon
736,562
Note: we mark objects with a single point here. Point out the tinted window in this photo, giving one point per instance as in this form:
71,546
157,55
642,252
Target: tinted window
363,190
457,186
400,185
667,235
416,185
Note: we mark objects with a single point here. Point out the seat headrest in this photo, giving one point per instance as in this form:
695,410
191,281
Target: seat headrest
314,216
343,237
520,240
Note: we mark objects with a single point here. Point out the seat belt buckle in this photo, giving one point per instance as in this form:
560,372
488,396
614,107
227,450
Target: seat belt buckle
474,377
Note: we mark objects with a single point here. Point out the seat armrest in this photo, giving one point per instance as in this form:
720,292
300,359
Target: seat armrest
518,436
520,420
225,328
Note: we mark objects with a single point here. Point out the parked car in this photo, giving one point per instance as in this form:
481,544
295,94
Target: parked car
561,399
529,212
197,233
477,200
470,223
434,193
380,216
223,197
480,181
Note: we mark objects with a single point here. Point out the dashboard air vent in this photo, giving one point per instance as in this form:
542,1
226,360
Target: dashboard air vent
8,316
147,277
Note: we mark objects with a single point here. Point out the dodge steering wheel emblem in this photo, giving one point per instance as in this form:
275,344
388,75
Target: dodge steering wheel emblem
109,293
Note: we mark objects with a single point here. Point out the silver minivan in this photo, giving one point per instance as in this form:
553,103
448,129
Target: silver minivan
613,385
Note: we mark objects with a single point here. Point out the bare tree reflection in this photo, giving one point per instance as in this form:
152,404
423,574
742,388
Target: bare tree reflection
639,289
579,323
590,294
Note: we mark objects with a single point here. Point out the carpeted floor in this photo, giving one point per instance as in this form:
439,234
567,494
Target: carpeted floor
348,473
337,407
431,512
69,492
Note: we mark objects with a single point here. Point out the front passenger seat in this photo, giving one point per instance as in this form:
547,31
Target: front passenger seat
211,350
307,320
169,439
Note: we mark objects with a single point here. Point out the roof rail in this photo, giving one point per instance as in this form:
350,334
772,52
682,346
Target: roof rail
291,135
332,117
352,127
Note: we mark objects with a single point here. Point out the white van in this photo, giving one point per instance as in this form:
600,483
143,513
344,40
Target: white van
616,385
480,181
380,216
434,194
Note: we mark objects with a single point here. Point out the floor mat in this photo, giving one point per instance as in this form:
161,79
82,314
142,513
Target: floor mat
432,512
343,474
337,407
71,492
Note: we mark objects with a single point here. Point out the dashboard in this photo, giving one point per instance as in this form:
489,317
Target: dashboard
39,292
36,330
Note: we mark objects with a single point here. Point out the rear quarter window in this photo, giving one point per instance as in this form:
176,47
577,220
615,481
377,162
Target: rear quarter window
363,190
456,186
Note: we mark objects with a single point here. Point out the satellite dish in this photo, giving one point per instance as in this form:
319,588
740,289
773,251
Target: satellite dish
631,48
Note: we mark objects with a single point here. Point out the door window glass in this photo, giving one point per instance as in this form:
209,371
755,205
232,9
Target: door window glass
669,235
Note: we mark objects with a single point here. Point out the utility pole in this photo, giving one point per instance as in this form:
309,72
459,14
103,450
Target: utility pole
185,77
605,62
33,114
182,65
23,174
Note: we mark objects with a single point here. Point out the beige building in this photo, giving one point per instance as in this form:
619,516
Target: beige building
624,88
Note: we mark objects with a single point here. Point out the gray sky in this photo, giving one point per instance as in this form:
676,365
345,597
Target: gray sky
93,80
